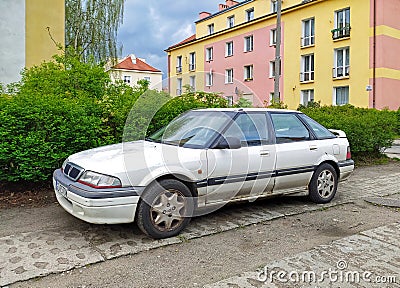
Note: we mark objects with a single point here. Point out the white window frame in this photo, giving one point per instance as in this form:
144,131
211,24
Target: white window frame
229,49
230,21
335,94
248,72
274,6
306,96
209,54
272,37
230,100
127,79
179,86
248,43
308,32
307,61
209,79
192,61
272,69
342,70
192,82
147,78
179,64
342,23
210,28
229,76
249,14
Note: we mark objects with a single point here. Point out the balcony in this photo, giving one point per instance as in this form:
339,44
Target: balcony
307,41
307,76
341,32
341,72
179,69
192,67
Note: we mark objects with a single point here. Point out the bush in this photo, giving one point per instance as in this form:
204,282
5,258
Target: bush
368,130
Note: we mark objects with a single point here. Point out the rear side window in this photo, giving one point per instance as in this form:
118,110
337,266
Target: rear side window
320,131
289,128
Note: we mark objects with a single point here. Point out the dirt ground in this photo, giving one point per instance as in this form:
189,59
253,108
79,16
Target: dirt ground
208,259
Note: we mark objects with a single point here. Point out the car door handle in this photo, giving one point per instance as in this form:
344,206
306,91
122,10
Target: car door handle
264,153
313,147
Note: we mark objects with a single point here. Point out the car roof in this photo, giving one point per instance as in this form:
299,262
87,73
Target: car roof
248,110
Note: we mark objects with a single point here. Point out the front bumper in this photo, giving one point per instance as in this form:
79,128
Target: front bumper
108,206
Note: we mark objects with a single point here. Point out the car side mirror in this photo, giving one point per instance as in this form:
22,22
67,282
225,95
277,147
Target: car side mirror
229,143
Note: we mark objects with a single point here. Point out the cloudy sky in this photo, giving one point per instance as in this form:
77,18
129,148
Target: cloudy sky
150,26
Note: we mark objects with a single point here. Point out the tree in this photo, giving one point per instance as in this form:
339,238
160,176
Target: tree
91,28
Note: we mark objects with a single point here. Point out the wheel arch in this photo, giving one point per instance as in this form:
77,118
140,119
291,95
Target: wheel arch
333,164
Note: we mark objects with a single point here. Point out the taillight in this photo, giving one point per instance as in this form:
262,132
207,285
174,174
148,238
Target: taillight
348,154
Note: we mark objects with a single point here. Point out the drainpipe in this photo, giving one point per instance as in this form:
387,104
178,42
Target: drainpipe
278,50
374,61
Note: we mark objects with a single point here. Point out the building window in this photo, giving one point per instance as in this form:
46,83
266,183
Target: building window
274,6
272,37
248,43
192,83
342,24
192,61
308,33
248,73
230,21
209,79
342,63
341,95
228,76
127,79
273,99
307,68
209,54
250,14
229,49
306,97
179,64
147,79
210,29
272,69
178,86
230,100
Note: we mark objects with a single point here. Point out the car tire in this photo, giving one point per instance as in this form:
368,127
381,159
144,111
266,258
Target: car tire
165,209
323,184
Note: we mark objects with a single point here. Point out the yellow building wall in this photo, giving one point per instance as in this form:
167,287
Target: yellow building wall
324,14
41,14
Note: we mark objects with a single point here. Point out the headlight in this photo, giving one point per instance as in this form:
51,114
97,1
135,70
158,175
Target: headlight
99,181
64,164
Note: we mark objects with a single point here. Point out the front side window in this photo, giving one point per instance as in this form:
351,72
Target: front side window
308,33
250,128
342,24
342,63
229,49
289,128
307,68
229,76
248,43
250,14
341,95
248,72
230,21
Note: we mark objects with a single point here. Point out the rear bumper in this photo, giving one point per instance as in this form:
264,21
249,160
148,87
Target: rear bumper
346,168
111,206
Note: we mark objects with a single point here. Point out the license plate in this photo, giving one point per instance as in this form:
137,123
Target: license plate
62,190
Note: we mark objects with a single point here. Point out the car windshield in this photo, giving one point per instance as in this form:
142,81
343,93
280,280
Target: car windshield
194,129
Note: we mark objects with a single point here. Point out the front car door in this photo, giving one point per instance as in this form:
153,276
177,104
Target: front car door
247,171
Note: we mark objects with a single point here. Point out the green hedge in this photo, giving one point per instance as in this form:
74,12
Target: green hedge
368,130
